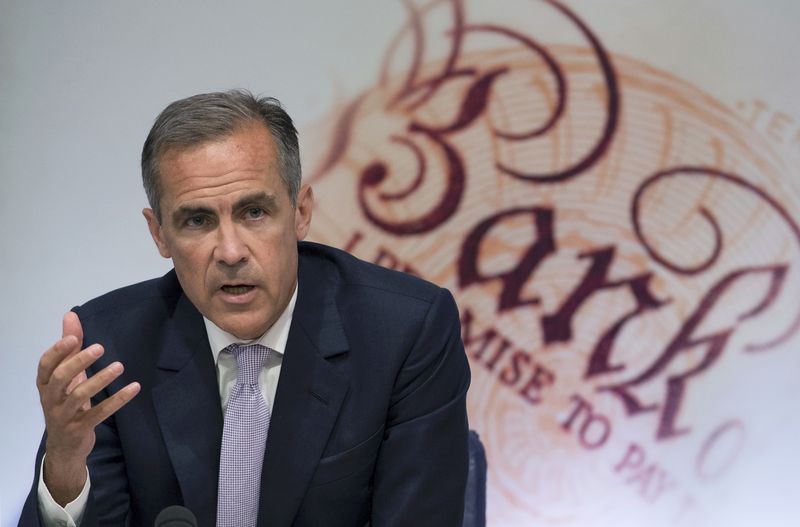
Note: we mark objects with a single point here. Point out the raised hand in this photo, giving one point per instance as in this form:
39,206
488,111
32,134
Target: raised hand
70,418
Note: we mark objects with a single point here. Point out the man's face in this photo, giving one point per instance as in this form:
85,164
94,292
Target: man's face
229,226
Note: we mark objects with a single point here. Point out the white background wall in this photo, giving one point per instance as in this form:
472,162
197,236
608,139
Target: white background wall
81,82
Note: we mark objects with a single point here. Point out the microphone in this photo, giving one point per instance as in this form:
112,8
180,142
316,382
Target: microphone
175,516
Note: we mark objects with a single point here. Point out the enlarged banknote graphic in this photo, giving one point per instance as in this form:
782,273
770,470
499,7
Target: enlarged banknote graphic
623,247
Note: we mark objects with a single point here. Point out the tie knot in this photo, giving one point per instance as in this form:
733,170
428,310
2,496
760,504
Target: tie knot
250,358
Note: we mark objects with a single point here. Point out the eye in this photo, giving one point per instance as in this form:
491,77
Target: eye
254,213
195,222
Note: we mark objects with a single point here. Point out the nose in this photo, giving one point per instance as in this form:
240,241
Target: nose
230,249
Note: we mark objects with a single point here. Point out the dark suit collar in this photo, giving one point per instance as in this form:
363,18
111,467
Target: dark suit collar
310,393
184,335
316,311
187,403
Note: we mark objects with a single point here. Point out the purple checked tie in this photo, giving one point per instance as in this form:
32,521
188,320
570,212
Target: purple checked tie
243,440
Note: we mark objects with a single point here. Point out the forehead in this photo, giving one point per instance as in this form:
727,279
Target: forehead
245,158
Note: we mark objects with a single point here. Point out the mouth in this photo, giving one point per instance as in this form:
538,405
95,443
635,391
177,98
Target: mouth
237,294
237,289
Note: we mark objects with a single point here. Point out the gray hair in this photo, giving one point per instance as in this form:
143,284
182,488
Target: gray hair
210,116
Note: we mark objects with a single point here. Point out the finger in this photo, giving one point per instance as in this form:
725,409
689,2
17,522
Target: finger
70,344
76,381
71,325
91,387
72,366
54,356
102,411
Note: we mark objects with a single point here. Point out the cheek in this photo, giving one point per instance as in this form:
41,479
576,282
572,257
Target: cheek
191,266
278,257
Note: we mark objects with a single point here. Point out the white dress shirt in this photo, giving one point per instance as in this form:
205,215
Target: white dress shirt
275,338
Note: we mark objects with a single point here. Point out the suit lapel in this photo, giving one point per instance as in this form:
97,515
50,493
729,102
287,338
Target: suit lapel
310,393
187,403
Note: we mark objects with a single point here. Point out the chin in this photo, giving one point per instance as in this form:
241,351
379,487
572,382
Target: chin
243,329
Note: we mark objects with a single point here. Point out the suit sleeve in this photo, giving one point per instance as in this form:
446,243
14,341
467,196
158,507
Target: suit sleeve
421,471
109,484
30,516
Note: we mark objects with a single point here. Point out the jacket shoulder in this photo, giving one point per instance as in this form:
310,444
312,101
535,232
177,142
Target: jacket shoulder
118,302
358,274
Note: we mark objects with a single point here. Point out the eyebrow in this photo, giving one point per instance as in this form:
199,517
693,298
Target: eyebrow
257,198
261,199
187,211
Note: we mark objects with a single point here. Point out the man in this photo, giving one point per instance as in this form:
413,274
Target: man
264,379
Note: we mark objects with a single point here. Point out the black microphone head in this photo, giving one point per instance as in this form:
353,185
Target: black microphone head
175,516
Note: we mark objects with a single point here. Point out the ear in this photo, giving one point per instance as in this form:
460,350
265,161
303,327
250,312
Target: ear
302,212
155,231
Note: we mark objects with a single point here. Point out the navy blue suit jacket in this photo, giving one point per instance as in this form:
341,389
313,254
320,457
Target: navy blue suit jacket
369,423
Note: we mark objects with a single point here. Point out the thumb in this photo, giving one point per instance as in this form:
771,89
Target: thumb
71,325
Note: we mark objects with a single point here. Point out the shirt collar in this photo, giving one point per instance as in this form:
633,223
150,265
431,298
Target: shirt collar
275,337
